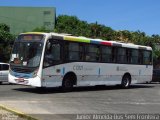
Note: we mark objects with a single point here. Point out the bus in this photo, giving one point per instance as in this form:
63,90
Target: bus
62,60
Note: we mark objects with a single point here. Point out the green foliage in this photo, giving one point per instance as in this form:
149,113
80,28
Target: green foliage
4,27
71,25
74,26
6,41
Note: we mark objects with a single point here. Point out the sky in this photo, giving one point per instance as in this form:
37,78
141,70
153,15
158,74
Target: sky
132,15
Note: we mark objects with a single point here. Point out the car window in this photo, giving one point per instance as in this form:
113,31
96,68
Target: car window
4,67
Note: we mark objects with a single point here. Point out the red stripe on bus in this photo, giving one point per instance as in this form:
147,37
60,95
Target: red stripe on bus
106,43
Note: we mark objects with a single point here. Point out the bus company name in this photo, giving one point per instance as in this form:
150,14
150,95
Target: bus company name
77,67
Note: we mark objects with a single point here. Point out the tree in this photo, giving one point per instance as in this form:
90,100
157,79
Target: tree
6,41
4,27
74,26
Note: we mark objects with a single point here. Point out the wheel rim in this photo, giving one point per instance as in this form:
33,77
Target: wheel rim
68,84
126,82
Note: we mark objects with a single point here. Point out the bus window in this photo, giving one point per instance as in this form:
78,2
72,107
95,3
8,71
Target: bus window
52,54
92,53
121,55
106,54
140,57
128,53
74,52
134,56
147,57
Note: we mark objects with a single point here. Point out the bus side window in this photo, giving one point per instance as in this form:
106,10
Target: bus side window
52,54
140,57
92,53
75,52
121,55
128,53
134,56
147,57
55,51
106,54
114,56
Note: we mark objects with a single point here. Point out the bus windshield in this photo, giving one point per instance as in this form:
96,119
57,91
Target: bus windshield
26,54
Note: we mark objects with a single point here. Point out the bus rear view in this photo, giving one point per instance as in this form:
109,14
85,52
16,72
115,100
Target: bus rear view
25,60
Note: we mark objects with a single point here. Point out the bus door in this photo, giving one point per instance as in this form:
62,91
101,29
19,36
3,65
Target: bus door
52,59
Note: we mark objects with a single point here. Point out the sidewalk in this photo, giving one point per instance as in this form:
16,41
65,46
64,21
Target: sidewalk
9,114
5,115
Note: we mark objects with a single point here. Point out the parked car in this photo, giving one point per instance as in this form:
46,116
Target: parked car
4,70
156,75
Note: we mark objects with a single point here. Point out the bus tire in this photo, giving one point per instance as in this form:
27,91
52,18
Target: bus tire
67,84
126,81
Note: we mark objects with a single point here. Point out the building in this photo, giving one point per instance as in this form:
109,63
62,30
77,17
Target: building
23,19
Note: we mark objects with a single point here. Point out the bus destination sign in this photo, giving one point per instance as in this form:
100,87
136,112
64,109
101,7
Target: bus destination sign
31,37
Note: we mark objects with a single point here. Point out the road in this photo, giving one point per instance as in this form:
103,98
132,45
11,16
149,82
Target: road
51,103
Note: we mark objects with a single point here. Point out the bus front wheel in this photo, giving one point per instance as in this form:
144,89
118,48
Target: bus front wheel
126,81
67,84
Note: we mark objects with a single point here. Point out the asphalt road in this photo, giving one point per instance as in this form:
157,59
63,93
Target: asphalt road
53,104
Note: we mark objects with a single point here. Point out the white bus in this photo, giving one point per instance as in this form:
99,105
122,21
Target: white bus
52,60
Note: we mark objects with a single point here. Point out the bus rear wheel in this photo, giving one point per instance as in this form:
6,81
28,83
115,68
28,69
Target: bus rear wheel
126,81
67,84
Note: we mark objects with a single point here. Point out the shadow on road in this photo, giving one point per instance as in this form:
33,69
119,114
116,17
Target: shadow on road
79,89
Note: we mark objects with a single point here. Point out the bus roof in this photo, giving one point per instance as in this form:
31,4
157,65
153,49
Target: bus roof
68,37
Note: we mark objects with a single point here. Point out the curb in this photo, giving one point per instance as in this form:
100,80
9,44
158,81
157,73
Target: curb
20,114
